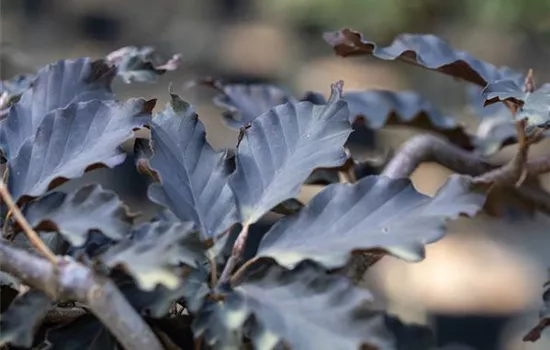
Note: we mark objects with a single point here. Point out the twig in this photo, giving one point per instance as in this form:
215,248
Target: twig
238,274
213,269
429,148
236,254
70,280
34,238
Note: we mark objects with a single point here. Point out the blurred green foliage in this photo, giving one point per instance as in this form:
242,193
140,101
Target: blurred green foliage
388,17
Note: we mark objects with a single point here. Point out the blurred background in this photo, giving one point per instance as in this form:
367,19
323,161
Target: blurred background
482,284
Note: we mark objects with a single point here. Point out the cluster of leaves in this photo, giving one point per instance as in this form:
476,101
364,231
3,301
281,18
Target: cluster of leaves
282,287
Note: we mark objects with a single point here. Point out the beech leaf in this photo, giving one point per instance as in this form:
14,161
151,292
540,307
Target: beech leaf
74,214
155,252
75,139
380,108
281,149
376,212
246,102
56,86
424,50
221,323
534,106
22,319
496,127
141,64
193,177
292,306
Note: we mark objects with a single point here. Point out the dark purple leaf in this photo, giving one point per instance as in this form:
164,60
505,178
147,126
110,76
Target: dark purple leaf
534,106
141,64
154,254
380,108
376,212
71,140
74,214
246,102
193,177
56,86
424,50
292,306
496,127
281,149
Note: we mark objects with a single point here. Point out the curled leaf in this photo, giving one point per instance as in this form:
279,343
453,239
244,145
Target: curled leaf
281,149
534,106
74,214
246,102
193,176
141,64
376,212
72,140
155,253
424,50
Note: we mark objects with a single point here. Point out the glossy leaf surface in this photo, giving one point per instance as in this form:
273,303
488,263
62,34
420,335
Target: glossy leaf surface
281,149
376,212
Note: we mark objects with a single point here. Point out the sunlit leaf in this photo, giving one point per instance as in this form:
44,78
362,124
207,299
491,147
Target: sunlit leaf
84,333
141,64
56,86
155,253
75,214
221,322
534,106
424,50
72,140
193,178
20,322
544,317
292,306
282,147
246,102
376,212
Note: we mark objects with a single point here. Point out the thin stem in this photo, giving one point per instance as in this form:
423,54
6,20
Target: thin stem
34,238
238,274
236,254
213,269
6,222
